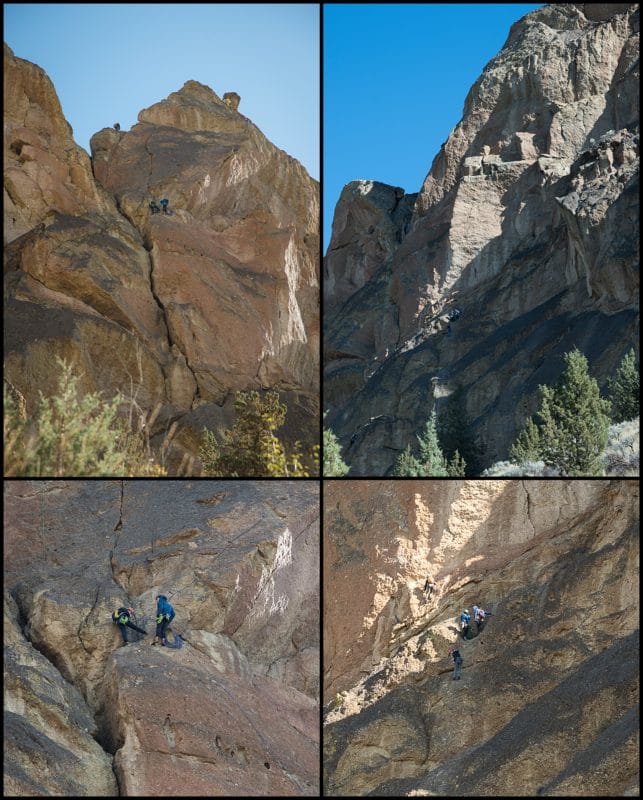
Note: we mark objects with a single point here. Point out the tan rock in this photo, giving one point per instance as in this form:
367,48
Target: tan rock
44,168
239,562
543,556
172,310
48,727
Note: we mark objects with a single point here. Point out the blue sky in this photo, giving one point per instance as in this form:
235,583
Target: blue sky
395,81
109,61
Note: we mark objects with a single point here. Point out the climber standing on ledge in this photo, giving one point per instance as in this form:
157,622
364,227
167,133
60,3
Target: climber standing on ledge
164,204
429,587
123,618
164,615
457,660
153,207
465,619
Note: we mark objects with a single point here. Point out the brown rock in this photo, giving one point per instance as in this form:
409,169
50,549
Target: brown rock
45,170
556,562
527,223
173,310
239,562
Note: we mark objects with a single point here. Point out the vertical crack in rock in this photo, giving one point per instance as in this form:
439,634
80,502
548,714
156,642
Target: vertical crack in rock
117,529
528,499
147,150
171,343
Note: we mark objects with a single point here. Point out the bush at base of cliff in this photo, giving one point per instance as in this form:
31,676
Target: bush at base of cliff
71,436
507,469
573,420
624,389
431,462
334,466
250,448
621,456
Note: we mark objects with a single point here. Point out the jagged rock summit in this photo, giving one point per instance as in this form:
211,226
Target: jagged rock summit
235,712
547,702
527,223
220,294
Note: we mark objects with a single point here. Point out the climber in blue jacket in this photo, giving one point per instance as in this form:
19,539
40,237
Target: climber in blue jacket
164,615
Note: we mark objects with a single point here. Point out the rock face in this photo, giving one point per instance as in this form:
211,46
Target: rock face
218,295
235,711
527,223
547,701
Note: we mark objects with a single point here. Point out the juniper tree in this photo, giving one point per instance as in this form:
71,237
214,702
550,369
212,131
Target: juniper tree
456,466
334,465
624,389
250,448
527,445
454,433
431,459
407,466
574,420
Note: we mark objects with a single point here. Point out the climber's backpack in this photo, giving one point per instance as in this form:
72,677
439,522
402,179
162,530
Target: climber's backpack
177,644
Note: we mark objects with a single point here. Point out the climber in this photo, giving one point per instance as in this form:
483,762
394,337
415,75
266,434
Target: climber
164,615
117,126
451,317
457,660
153,207
123,618
164,204
465,619
481,618
430,587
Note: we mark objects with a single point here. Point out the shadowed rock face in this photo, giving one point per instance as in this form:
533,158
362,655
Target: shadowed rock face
547,701
239,562
527,222
218,295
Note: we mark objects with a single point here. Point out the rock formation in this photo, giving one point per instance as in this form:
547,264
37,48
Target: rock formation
527,222
547,700
235,711
178,310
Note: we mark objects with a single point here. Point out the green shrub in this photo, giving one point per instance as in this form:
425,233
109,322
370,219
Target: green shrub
334,465
71,435
621,456
624,389
250,448
570,431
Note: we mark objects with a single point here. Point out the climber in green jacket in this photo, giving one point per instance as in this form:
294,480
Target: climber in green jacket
123,618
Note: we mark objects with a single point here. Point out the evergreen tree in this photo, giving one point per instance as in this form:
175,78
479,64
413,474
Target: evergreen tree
250,448
454,432
527,445
624,390
334,465
407,466
456,467
432,461
574,420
